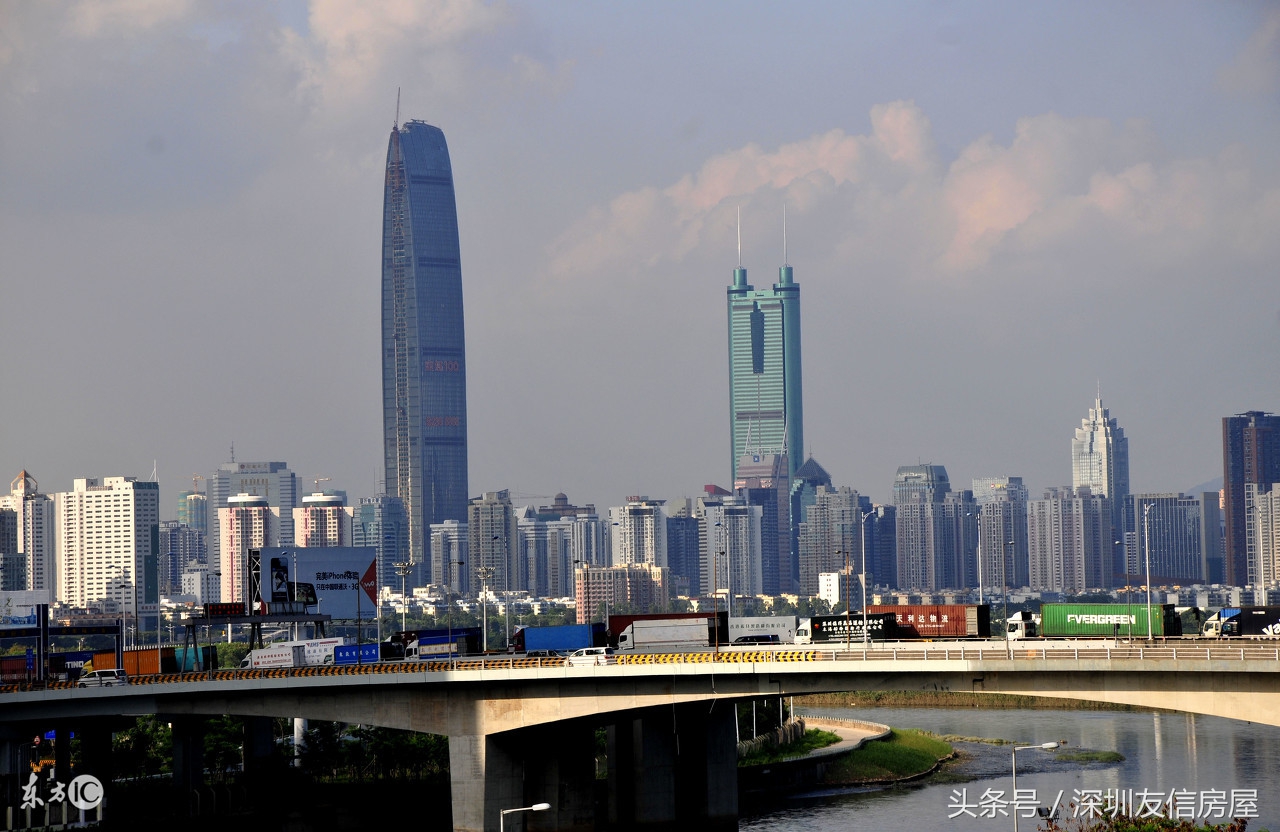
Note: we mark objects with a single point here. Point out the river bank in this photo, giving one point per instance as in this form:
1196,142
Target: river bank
954,699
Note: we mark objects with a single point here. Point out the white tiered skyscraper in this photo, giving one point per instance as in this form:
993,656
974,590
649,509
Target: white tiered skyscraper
1100,462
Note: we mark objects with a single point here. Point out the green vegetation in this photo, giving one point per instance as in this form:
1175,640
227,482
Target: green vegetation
1090,756
953,699
902,754
812,739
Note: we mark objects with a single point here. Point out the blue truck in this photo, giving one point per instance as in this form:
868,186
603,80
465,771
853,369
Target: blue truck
565,638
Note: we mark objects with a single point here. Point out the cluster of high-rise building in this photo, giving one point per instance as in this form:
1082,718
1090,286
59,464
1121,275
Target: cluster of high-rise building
781,527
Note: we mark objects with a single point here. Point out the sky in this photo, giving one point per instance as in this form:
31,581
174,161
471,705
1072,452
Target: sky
993,210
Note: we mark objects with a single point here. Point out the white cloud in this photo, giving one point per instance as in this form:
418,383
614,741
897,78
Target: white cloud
1060,182
104,18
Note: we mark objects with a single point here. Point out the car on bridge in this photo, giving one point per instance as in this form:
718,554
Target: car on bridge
103,678
592,656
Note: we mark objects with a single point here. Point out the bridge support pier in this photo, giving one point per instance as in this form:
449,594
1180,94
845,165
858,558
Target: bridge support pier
188,754
672,766
544,764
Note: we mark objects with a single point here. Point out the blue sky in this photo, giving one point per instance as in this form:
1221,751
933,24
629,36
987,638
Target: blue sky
993,207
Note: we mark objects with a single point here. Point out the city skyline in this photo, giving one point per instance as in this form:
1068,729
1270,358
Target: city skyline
222,237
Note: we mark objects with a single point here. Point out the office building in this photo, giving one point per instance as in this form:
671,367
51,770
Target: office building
1179,533
765,480
1068,541
193,511
1002,533
107,544
272,480
33,561
545,548
13,569
684,548
766,412
600,590
1250,454
639,532
1100,463
180,546
424,368
804,487
380,523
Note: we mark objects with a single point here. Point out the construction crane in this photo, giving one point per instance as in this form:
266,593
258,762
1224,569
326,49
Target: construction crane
319,480
195,483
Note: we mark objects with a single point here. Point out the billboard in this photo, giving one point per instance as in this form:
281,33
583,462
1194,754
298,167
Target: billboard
337,575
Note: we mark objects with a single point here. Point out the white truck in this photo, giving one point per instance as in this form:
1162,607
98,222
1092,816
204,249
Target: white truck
665,634
292,654
763,629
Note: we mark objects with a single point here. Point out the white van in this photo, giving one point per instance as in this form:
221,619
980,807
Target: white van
103,678
592,656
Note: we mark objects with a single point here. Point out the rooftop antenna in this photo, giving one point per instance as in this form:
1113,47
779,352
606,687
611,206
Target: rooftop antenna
153,470
739,236
396,126
784,235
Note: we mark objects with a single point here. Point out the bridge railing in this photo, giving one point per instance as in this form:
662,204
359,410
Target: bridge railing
875,652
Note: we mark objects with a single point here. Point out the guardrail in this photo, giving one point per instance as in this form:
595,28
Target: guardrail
1014,651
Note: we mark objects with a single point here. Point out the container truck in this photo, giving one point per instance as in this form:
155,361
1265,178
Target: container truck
938,620
1095,621
840,629
673,634
292,654
140,661
714,621
357,654
1213,624
760,629
565,638
439,643
1255,622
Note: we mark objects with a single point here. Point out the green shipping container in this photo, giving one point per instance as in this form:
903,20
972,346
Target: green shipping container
1107,620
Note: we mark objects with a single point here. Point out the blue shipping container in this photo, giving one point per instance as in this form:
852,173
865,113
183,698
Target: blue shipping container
346,654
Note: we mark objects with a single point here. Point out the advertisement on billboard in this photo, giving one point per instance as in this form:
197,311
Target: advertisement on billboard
336,575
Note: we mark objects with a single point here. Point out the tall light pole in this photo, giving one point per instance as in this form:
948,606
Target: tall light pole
502,817
1146,545
862,578
158,624
403,568
506,593
715,598
848,578
977,514
1048,746
484,573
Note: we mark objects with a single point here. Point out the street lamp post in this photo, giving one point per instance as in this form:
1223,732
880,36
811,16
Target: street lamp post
402,569
537,807
862,578
1048,746
715,598
1146,546
847,576
359,590
484,573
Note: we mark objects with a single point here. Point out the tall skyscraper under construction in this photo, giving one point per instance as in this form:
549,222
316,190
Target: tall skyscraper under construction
424,370
766,412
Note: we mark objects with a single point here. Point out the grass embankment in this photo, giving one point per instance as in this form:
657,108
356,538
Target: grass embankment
1090,756
901,755
812,739
954,699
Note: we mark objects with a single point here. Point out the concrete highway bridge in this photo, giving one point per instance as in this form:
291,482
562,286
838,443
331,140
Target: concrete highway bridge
522,731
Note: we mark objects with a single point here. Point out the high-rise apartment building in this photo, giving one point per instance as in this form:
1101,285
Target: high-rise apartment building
936,530
449,565
1262,533
193,511
35,536
323,520
766,413
180,547
1250,454
248,521
1068,541
492,538
272,480
545,551
639,532
732,544
765,480
1002,532
108,543
1100,463
13,571
640,586
684,548
831,533
424,368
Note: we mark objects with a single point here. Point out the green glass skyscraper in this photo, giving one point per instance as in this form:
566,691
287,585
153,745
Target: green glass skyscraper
765,394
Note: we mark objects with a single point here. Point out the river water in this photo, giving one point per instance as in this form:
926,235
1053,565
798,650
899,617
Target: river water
1162,752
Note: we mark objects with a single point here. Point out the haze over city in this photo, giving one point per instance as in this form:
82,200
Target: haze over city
992,210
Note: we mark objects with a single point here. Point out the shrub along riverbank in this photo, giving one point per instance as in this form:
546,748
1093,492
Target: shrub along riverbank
903,755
